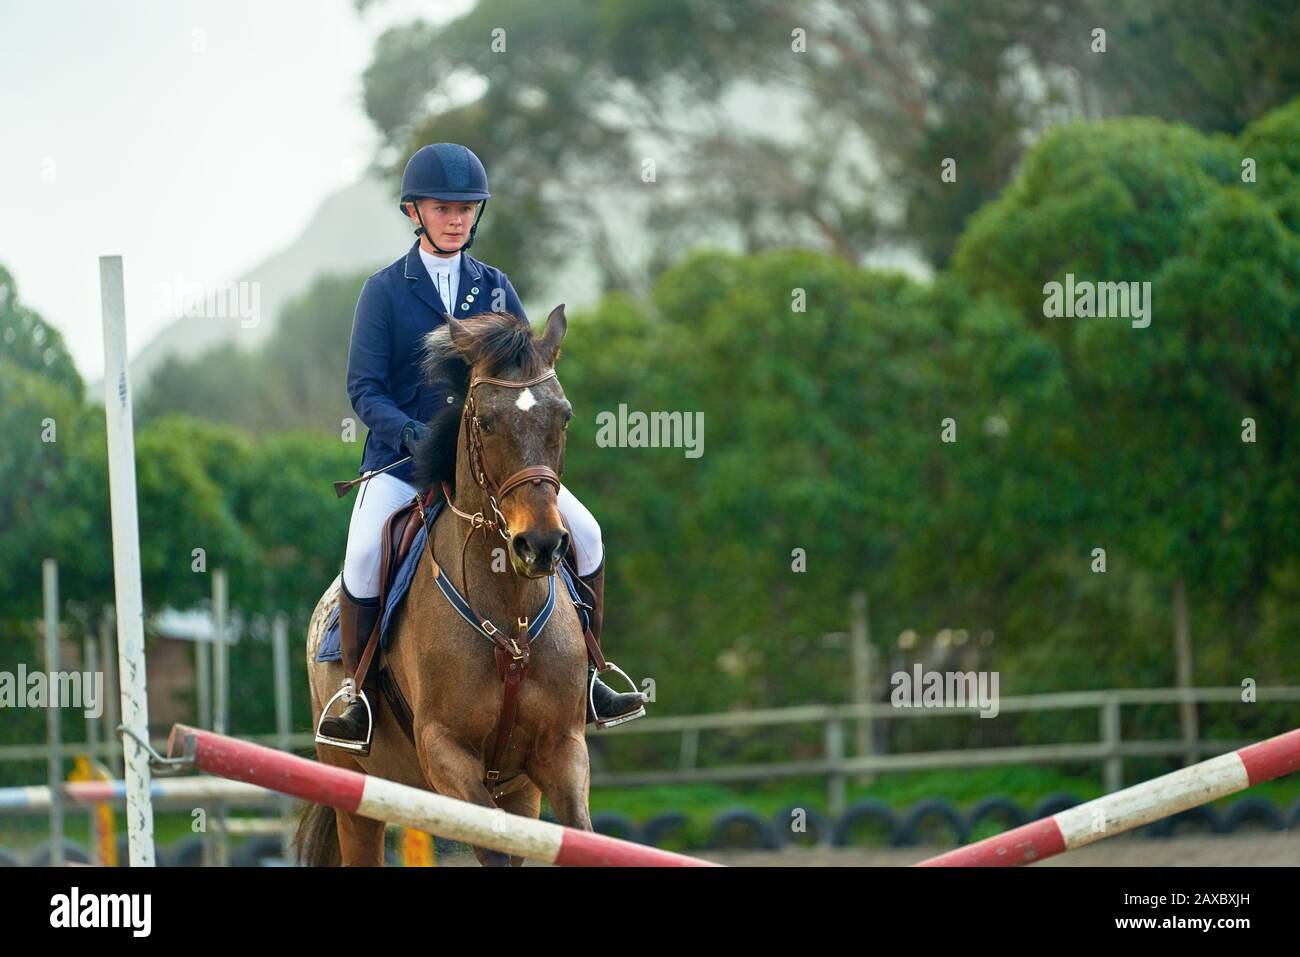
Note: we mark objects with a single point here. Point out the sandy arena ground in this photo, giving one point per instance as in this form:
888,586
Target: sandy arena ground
1279,849
1122,851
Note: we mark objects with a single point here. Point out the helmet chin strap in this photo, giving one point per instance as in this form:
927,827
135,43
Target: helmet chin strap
423,231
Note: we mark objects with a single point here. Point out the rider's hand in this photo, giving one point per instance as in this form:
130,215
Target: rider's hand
413,433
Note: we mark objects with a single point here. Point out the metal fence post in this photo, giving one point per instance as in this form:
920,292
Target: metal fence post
90,666
219,850
1113,769
114,756
837,786
53,732
283,703
690,748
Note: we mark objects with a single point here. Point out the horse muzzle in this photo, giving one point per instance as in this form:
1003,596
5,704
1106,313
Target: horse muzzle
537,554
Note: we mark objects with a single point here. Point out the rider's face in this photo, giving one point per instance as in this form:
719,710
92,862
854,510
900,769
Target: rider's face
446,221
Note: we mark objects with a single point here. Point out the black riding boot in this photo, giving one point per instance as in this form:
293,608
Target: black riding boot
612,707
357,619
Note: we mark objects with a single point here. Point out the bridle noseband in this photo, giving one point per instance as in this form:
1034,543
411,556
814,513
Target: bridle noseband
496,493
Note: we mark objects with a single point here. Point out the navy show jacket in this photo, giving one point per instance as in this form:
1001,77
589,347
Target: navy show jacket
398,306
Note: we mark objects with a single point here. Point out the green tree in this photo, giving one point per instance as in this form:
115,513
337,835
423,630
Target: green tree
853,107
51,503
1174,489
31,343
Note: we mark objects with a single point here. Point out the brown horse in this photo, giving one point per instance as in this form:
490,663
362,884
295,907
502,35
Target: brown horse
444,667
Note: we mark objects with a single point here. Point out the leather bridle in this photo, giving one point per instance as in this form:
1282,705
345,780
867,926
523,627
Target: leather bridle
496,492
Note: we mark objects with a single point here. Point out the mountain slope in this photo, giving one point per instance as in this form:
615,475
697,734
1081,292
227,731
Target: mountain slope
356,228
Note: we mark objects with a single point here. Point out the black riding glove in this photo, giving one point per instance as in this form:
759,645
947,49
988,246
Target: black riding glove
413,433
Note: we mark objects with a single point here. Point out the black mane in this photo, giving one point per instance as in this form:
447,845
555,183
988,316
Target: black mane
500,344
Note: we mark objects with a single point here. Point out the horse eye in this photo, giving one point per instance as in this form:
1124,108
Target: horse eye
485,425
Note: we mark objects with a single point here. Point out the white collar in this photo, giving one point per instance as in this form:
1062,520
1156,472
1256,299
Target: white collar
450,264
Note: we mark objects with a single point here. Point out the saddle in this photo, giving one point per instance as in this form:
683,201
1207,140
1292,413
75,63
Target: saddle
399,532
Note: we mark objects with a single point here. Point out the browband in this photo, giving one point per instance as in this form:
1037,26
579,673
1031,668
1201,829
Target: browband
548,374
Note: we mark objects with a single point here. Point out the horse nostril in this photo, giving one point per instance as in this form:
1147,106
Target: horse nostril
524,549
541,551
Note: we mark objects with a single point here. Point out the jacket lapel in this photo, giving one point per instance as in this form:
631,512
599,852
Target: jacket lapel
420,282
471,290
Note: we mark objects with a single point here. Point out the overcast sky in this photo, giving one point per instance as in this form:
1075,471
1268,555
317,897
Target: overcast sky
192,138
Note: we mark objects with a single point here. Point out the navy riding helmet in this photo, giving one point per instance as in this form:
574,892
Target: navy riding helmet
445,171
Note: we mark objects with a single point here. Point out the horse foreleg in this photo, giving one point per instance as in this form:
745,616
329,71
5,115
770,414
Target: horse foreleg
361,839
526,802
456,771
563,772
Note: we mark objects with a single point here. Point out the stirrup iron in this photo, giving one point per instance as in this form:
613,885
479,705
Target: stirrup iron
349,691
602,724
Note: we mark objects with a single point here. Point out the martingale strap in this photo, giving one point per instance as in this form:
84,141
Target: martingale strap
456,601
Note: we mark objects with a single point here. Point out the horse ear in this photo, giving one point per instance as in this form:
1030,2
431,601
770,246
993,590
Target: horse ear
556,327
460,337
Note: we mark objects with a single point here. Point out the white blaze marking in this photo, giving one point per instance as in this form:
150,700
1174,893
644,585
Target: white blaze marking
525,401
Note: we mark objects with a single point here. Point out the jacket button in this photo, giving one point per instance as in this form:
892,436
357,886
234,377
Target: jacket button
475,289
464,305
469,298
451,399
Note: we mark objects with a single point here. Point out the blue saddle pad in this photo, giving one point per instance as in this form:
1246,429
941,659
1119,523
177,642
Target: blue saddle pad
330,648
330,645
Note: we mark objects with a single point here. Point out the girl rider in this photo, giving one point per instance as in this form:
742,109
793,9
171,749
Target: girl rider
444,190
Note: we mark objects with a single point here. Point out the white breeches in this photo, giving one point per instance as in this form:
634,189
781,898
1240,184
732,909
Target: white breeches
380,495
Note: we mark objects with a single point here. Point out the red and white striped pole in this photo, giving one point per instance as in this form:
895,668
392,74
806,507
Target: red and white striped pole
383,800
1132,807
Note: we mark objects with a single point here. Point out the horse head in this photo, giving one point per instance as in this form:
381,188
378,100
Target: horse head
502,444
